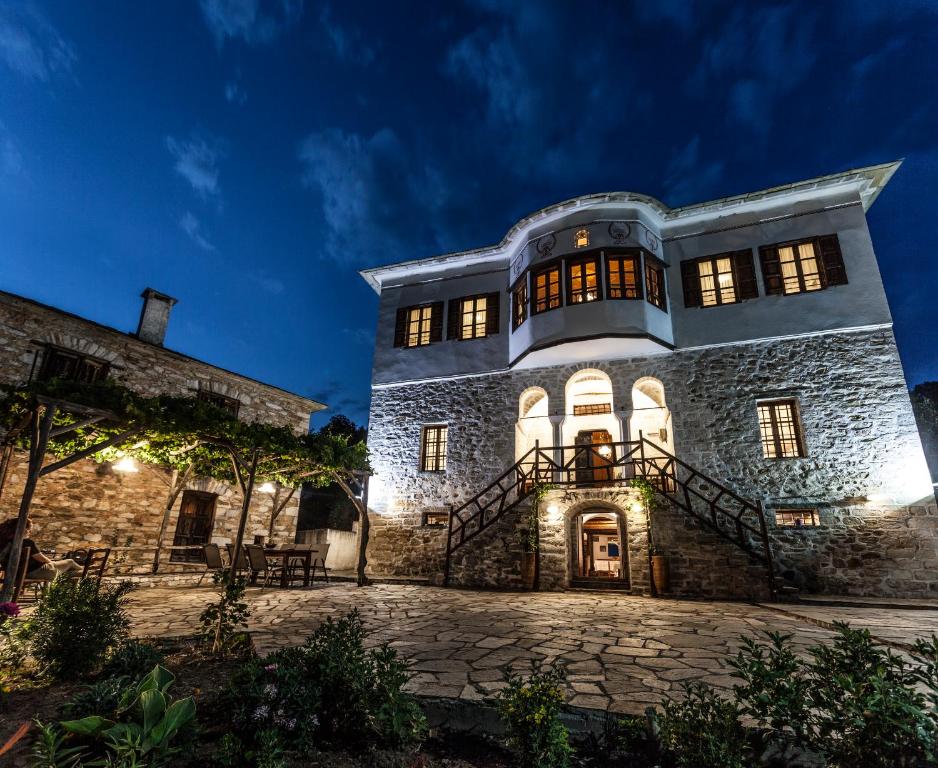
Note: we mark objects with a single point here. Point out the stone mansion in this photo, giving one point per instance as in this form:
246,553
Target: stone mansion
737,355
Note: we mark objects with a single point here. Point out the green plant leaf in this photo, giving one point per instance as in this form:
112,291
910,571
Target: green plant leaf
152,707
158,679
177,715
88,726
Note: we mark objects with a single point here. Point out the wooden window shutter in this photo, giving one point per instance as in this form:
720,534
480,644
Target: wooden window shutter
436,321
771,269
691,281
492,305
745,275
453,316
400,328
832,260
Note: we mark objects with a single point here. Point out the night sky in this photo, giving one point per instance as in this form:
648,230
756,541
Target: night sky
249,156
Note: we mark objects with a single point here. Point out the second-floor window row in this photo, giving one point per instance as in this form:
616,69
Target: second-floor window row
468,317
800,266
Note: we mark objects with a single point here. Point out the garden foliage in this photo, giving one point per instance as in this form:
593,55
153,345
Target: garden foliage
142,730
330,691
703,730
76,624
224,622
530,709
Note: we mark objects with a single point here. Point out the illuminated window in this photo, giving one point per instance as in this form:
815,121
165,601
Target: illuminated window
803,266
779,429
622,277
418,326
592,409
436,519
800,271
654,284
71,366
717,285
546,289
519,303
472,317
796,518
583,281
581,239
433,449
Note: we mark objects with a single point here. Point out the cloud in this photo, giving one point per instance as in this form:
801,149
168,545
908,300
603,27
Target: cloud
378,198
253,21
30,45
193,228
269,284
197,162
687,180
348,43
680,13
764,54
235,94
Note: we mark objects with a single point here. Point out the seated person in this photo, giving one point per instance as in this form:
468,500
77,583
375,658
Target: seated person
40,567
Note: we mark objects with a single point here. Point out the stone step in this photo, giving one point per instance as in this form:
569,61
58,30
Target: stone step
605,585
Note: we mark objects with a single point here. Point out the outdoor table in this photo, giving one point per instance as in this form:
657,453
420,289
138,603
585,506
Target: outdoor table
286,554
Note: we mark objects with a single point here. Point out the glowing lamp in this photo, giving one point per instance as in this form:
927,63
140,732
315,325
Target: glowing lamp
604,450
267,487
552,509
636,506
126,464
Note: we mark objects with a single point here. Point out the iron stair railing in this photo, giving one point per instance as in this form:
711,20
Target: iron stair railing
735,519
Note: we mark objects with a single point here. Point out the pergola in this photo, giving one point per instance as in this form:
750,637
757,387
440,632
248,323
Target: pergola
193,438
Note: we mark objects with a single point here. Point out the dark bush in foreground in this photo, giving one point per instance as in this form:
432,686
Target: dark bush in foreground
76,623
330,691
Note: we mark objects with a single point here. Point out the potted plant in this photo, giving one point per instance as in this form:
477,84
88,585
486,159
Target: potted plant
657,560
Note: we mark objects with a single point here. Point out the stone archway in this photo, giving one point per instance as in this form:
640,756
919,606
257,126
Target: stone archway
597,544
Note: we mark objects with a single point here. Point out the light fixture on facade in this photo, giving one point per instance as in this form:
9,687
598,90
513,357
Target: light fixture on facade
125,464
636,506
605,451
267,487
581,239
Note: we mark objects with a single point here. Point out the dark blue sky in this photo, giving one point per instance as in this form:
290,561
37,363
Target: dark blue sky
248,156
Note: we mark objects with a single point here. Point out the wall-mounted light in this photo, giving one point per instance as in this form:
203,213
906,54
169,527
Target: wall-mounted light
125,464
635,506
581,239
605,451
552,509
267,487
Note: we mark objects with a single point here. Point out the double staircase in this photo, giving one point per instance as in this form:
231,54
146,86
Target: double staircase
736,520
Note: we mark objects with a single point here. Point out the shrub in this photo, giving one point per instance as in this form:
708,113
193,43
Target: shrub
703,730
331,690
14,647
140,732
76,623
530,709
100,698
852,702
132,658
224,622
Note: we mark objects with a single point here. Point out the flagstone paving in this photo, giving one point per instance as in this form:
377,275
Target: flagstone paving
622,653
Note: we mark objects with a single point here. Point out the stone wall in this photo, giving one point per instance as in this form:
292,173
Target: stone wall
88,504
25,327
864,470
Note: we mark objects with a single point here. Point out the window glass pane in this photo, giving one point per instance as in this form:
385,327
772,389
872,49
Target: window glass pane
547,290
809,267
521,304
708,292
583,282
779,430
472,320
418,326
725,281
790,280
434,449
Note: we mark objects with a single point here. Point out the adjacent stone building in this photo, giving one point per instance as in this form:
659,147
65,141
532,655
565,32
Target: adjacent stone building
737,354
89,504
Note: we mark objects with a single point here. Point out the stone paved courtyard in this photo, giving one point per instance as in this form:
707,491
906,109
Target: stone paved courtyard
622,653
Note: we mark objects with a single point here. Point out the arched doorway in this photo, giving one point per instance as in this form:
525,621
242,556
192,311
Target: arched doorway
651,418
533,426
601,551
590,428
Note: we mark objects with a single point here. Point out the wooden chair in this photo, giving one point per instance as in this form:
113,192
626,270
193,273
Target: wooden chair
241,564
96,563
213,560
320,552
257,560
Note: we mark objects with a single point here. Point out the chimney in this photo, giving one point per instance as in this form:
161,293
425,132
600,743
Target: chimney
154,316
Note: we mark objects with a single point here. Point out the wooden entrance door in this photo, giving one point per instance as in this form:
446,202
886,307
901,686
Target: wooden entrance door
593,457
194,526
